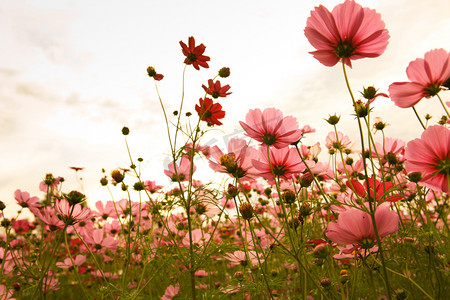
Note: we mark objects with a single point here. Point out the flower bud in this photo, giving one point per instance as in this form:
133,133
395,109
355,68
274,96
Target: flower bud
415,177
117,176
104,181
239,275
125,131
232,191
288,196
246,210
325,282
224,72
333,120
139,186
321,251
2,205
74,197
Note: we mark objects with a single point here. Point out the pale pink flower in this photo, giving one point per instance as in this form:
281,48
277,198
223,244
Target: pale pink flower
239,257
390,151
183,170
335,142
198,238
237,163
284,163
50,284
348,33
78,261
427,77
5,293
72,214
171,292
152,187
271,128
354,226
430,156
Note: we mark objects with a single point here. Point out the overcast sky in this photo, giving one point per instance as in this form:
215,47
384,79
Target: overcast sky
73,73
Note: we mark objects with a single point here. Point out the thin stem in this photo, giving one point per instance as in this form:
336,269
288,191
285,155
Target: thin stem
417,115
443,105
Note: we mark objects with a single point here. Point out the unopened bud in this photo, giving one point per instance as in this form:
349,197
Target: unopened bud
246,210
224,72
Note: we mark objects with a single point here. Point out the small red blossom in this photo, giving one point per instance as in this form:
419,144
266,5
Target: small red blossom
215,89
209,111
194,54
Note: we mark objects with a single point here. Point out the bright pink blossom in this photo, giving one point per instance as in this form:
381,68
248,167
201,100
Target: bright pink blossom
427,77
271,128
348,33
49,217
430,155
99,241
355,226
72,214
237,162
283,163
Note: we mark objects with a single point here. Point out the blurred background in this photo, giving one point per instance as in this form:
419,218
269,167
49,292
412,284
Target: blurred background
73,73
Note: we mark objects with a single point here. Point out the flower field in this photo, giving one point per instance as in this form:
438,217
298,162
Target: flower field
350,219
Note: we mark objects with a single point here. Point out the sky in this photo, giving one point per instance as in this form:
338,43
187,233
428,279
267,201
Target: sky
73,73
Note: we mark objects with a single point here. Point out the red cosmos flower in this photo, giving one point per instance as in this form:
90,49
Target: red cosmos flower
194,55
376,190
430,155
216,90
348,33
427,77
271,128
209,111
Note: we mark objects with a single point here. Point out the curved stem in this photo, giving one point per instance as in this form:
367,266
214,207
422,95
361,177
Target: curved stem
420,120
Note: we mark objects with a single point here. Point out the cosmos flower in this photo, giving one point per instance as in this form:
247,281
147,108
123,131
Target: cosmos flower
271,128
430,155
215,89
183,170
284,163
347,33
354,226
194,54
72,214
427,76
209,111
237,162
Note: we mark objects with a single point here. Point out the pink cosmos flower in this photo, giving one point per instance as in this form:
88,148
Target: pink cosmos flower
427,77
284,163
105,211
183,170
354,226
430,155
22,226
333,142
237,163
390,151
239,257
271,128
348,33
49,217
72,214
113,227
99,241
25,200
171,292
78,261
152,187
